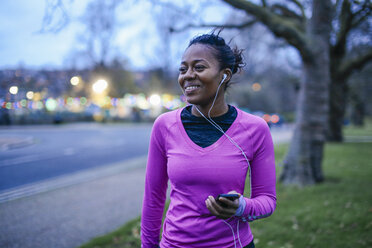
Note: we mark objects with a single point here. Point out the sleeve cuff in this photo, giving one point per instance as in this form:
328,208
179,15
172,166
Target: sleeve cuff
241,208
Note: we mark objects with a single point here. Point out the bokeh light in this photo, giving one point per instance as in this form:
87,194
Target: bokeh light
75,80
100,86
256,87
13,90
30,95
155,100
51,104
275,119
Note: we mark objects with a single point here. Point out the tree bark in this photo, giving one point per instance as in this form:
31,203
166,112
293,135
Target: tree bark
303,163
338,100
341,68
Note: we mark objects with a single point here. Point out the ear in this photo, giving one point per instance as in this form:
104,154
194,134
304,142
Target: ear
228,73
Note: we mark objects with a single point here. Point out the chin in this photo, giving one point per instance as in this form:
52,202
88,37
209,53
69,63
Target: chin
192,100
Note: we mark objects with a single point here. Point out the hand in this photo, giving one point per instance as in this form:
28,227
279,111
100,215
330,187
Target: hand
220,211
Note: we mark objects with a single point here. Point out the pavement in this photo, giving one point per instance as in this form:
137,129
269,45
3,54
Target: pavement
69,211
13,142
65,217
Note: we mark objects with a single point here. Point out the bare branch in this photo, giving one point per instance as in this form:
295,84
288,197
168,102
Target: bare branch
264,4
348,21
53,9
362,14
281,26
345,20
357,63
284,11
227,26
300,6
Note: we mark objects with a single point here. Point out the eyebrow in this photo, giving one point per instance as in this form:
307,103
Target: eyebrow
195,61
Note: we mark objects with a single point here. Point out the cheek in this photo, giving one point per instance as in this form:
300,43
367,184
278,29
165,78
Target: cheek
180,80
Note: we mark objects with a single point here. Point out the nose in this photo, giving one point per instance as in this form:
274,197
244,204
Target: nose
189,75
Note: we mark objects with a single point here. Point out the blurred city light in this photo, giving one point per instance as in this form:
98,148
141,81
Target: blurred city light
155,100
13,90
266,117
75,80
100,86
100,107
256,87
274,119
51,104
37,96
30,95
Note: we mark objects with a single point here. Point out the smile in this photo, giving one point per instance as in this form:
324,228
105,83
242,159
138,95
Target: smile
189,88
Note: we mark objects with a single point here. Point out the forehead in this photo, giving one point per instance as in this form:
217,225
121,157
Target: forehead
199,52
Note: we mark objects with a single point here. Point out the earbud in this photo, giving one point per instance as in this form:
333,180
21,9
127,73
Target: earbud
224,77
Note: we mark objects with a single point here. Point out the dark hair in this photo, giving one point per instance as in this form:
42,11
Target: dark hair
227,57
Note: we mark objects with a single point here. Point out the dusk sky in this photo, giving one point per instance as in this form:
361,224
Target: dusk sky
22,44
20,41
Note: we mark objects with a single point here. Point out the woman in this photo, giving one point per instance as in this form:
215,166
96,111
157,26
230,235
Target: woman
203,157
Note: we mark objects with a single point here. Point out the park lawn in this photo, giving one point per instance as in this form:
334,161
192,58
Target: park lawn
336,213
366,130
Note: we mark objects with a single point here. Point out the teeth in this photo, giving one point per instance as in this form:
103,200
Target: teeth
191,87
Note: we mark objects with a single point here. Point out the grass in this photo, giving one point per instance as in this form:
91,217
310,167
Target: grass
336,213
366,130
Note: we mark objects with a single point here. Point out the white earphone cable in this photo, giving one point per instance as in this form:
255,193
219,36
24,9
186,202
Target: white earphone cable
213,123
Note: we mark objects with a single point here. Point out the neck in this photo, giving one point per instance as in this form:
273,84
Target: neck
218,109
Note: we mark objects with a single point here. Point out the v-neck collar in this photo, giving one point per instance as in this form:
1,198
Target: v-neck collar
212,146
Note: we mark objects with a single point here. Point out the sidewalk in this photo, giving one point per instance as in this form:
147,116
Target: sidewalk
69,211
70,216
12,142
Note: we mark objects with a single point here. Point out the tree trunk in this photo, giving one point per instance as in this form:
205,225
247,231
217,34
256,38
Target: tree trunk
357,110
337,103
302,165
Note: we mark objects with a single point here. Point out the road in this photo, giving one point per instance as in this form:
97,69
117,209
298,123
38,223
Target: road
52,151
82,204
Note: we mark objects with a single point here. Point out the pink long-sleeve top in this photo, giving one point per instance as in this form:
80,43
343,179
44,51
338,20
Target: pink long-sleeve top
195,173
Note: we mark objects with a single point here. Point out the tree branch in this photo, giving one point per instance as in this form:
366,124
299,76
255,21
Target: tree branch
357,63
348,21
281,26
299,5
51,10
345,20
362,14
284,11
205,25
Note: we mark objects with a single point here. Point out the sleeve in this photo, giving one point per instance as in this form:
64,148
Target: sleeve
156,184
263,193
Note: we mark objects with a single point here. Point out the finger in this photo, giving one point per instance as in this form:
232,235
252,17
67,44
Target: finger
230,204
224,212
233,192
215,204
211,209
217,210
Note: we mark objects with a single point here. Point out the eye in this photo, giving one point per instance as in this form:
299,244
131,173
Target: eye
199,68
182,69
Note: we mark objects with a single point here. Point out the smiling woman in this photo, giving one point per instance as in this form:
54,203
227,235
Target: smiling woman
204,157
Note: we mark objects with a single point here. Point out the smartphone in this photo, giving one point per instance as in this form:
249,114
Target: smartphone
231,197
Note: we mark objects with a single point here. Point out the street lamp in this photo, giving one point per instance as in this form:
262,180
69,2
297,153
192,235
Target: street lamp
30,95
75,80
99,86
155,100
13,90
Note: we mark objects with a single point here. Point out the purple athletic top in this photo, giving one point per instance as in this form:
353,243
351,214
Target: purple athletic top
195,173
